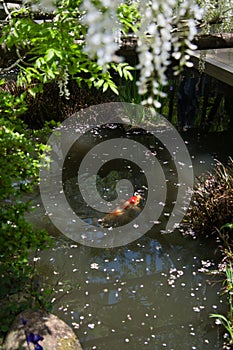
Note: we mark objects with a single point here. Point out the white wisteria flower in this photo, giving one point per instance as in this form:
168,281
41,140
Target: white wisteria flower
63,84
159,38
103,28
154,46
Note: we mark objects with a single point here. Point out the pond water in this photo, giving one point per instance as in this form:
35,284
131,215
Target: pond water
150,294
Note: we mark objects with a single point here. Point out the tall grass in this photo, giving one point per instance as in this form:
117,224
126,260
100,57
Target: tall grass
227,321
212,202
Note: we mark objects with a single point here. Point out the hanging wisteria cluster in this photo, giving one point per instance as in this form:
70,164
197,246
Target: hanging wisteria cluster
166,26
155,47
103,29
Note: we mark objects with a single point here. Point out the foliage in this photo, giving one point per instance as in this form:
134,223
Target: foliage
53,50
129,16
80,40
225,269
20,156
217,16
42,109
212,200
227,321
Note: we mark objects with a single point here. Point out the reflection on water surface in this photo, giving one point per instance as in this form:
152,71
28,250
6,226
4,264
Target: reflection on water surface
150,294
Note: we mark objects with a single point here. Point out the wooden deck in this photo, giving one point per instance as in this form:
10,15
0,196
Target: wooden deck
219,64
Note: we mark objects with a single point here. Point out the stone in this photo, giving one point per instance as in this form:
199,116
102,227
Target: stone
56,333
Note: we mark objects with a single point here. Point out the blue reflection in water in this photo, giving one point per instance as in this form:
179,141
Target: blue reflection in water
150,293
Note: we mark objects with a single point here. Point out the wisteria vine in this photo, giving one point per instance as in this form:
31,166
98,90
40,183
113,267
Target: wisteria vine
166,30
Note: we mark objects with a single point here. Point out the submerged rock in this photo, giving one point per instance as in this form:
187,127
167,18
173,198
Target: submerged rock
57,335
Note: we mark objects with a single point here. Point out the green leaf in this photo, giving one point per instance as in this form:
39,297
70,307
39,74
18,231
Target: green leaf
105,86
99,83
113,87
49,55
32,92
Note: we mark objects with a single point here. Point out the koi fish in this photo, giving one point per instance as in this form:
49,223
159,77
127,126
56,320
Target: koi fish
122,215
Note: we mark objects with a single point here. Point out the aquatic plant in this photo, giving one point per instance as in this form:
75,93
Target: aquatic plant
212,203
227,321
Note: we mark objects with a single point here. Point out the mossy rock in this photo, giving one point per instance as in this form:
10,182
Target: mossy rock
56,333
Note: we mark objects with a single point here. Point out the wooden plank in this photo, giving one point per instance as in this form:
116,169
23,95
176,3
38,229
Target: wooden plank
217,66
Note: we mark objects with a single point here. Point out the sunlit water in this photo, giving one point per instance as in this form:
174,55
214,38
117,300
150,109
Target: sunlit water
151,294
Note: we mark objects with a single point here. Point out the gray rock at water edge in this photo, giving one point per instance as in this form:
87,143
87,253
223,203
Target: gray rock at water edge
56,333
